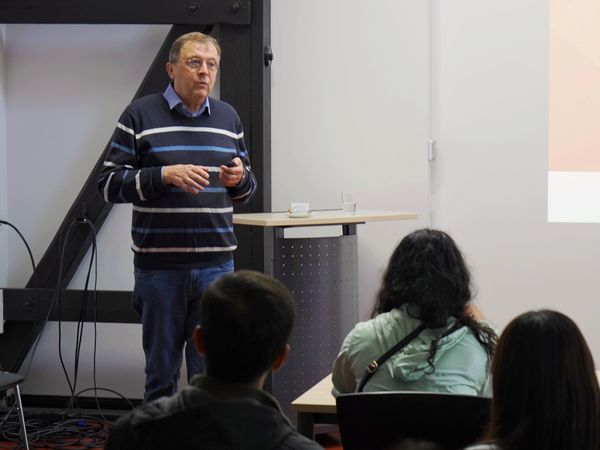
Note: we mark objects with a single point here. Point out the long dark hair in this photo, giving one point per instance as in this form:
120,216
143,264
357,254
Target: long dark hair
427,272
545,387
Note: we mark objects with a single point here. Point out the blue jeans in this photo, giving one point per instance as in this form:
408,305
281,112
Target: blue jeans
168,301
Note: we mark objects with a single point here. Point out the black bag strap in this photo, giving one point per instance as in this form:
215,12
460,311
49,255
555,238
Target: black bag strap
375,364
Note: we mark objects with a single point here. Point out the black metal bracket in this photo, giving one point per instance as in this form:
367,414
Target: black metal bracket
32,305
349,228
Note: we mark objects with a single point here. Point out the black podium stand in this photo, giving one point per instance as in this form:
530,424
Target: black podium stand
322,275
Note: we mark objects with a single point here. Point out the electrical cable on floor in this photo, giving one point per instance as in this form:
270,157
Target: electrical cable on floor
64,429
53,431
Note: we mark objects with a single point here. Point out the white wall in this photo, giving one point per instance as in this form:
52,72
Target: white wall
3,174
490,182
350,112
67,86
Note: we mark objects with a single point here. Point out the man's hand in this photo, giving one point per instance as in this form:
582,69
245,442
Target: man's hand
188,177
232,176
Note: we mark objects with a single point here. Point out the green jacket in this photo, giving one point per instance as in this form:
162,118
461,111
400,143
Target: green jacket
461,363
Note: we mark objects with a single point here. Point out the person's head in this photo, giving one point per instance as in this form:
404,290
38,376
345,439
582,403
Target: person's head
193,64
427,272
246,319
545,389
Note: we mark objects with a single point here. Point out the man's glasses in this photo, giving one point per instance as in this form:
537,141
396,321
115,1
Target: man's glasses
196,63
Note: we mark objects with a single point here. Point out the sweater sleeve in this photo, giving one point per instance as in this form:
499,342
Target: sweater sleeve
121,179
246,189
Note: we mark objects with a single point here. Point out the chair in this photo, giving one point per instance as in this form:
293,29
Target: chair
379,420
10,380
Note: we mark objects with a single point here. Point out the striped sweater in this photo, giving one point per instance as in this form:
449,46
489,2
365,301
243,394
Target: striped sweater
172,228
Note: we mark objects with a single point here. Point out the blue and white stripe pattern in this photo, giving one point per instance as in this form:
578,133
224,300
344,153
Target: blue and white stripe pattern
171,227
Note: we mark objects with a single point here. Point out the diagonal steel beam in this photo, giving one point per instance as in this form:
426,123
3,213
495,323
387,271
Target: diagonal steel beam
18,336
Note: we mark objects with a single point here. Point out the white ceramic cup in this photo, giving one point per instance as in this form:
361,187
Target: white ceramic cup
349,202
299,209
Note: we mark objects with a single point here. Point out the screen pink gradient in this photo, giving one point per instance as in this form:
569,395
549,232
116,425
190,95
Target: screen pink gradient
574,85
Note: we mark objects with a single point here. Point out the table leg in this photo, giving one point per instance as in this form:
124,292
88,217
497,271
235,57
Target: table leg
306,424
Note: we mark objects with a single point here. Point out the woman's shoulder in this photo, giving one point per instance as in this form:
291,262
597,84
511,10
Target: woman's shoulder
396,322
383,326
373,337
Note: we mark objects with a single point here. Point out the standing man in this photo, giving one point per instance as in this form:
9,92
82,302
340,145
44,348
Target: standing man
180,158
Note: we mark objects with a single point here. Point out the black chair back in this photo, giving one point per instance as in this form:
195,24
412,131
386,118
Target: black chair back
379,420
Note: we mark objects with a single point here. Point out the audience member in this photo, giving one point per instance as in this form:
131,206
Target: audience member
546,393
246,319
426,286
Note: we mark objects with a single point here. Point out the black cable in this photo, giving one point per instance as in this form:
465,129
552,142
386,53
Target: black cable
55,431
7,414
58,295
108,390
42,432
34,275
74,396
81,324
95,316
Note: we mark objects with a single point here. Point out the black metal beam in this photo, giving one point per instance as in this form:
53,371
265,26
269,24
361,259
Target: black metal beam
246,84
112,408
191,12
24,305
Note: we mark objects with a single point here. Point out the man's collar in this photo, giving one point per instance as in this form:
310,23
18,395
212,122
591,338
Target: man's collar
175,102
224,389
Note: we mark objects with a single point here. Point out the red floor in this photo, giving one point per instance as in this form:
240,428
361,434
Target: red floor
330,441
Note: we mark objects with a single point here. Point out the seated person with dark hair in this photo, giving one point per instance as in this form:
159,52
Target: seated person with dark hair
246,320
546,393
425,299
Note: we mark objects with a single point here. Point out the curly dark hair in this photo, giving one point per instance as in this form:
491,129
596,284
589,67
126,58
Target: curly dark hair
427,272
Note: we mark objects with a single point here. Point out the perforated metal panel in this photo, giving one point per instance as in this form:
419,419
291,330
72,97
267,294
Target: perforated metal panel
322,274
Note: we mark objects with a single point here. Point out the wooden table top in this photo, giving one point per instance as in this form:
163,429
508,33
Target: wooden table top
320,217
318,399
